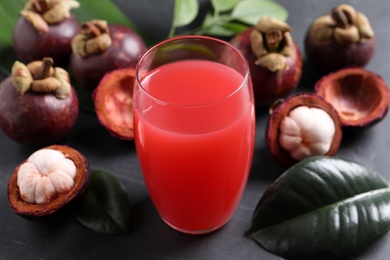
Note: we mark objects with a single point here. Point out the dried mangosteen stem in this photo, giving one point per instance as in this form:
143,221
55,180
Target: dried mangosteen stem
93,39
343,19
92,29
41,6
273,39
47,64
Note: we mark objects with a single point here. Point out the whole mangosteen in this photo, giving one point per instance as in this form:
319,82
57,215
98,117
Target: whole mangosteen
342,38
45,29
101,48
274,59
39,106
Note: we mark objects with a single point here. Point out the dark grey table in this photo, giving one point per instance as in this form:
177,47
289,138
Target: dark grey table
150,237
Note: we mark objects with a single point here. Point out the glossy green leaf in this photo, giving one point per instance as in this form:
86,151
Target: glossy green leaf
89,9
106,207
322,207
250,11
224,5
185,12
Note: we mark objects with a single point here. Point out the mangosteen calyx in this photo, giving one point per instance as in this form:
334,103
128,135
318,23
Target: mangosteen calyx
271,42
40,76
94,38
344,25
41,13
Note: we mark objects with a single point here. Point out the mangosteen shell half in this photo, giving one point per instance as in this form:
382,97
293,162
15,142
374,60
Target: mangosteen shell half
360,97
113,99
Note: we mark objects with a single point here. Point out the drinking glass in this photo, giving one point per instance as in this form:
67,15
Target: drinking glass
194,127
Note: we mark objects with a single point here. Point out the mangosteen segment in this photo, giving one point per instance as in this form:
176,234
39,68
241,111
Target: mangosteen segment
360,97
48,182
306,131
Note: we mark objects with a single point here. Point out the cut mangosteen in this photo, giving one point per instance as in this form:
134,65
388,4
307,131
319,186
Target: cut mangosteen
48,183
301,126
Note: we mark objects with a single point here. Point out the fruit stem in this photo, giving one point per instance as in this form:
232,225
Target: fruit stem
41,6
91,29
46,65
341,17
273,39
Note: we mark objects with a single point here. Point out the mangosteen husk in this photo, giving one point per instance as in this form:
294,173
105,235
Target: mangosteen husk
281,108
61,206
360,97
113,99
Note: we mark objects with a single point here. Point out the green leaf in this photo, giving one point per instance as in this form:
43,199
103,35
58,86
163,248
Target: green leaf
322,207
106,207
105,10
224,5
222,26
185,12
250,11
9,13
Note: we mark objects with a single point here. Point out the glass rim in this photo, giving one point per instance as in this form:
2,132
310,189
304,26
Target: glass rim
202,37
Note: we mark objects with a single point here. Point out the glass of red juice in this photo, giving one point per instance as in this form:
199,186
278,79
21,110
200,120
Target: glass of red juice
194,127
